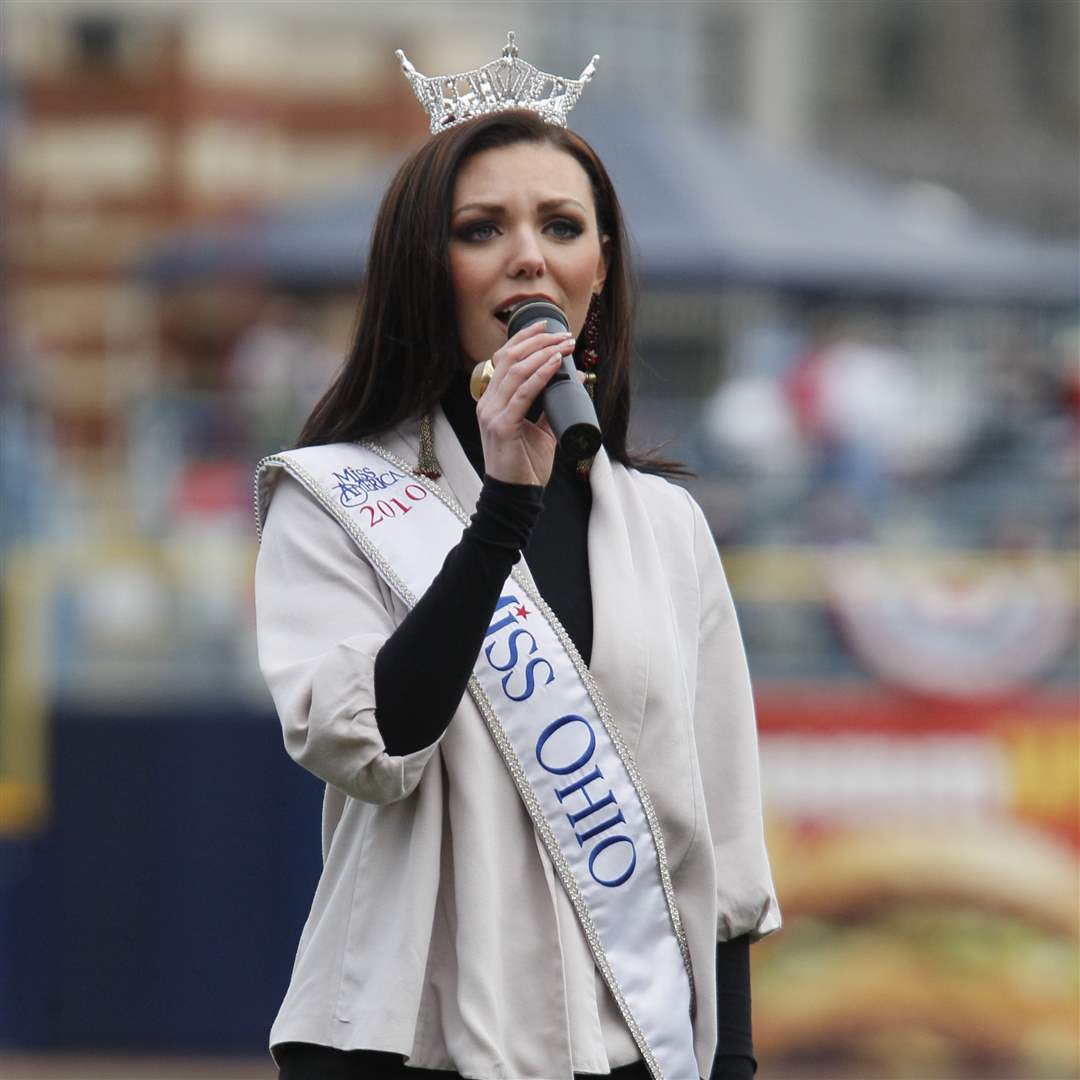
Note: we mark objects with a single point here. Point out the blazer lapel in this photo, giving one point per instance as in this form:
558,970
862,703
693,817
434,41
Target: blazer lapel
620,659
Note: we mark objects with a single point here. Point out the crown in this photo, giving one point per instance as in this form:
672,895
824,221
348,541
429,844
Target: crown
505,83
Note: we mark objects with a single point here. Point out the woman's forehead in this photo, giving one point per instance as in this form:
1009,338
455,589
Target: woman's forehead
537,172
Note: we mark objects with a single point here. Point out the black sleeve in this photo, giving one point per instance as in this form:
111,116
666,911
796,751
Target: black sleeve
734,1040
423,667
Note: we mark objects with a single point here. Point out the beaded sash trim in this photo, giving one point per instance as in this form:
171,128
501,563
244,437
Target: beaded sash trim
620,907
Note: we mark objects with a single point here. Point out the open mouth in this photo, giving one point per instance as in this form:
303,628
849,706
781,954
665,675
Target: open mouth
503,314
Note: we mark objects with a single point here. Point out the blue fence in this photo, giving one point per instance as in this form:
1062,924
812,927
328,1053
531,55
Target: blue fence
160,907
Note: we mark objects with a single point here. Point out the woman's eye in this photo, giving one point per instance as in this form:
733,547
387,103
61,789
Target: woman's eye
480,231
565,230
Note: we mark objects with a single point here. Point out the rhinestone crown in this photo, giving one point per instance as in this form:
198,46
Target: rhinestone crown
505,83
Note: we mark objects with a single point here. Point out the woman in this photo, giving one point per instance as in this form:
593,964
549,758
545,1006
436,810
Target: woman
444,932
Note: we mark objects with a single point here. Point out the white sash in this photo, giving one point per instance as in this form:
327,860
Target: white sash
569,762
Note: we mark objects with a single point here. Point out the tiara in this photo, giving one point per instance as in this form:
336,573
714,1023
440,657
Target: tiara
505,83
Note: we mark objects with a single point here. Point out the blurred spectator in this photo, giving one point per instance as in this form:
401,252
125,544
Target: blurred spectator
867,408
748,425
276,372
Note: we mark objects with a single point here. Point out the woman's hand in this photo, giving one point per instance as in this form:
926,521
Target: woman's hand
516,450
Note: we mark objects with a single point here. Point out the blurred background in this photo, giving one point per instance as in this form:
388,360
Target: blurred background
856,229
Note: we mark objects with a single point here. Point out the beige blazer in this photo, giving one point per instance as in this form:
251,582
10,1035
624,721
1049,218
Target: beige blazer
439,929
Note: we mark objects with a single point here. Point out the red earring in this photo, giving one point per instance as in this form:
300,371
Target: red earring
590,335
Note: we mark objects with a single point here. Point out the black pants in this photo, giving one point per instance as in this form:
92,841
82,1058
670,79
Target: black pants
305,1061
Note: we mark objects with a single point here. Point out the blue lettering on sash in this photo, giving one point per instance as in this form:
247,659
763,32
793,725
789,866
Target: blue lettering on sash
610,872
511,644
556,725
619,879
506,620
591,805
529,675
355,485
530,678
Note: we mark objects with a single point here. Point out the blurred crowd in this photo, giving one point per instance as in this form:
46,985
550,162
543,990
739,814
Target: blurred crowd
825,429
853,437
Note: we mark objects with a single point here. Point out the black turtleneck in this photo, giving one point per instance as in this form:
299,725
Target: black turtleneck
556,549
550,526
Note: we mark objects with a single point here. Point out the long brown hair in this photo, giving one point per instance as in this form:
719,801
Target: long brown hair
406,351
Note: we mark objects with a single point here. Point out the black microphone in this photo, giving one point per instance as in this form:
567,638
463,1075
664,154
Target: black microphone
565,401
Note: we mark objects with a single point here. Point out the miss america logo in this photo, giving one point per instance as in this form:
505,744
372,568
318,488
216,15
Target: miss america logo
355,485
564,748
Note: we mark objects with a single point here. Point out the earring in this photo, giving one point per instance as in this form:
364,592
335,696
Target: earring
590,336
590,357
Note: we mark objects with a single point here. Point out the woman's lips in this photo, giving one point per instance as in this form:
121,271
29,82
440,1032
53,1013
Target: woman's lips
504,312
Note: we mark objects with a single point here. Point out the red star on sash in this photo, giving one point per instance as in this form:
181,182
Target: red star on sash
522,612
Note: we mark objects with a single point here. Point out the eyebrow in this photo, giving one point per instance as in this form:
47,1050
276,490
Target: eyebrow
495,209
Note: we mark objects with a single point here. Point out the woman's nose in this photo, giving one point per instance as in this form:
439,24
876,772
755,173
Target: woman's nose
527,257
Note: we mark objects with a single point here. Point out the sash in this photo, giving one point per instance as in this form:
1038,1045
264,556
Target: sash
568,760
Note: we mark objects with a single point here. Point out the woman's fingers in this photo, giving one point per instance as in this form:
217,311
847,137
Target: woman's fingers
522,348
525,343
514,450
530,331
531,385
516,386
522,344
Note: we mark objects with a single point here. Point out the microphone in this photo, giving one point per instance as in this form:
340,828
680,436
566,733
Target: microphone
564,400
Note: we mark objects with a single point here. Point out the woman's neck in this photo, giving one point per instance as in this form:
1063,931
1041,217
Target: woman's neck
460,410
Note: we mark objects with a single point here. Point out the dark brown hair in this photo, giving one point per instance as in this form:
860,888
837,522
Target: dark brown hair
406,351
